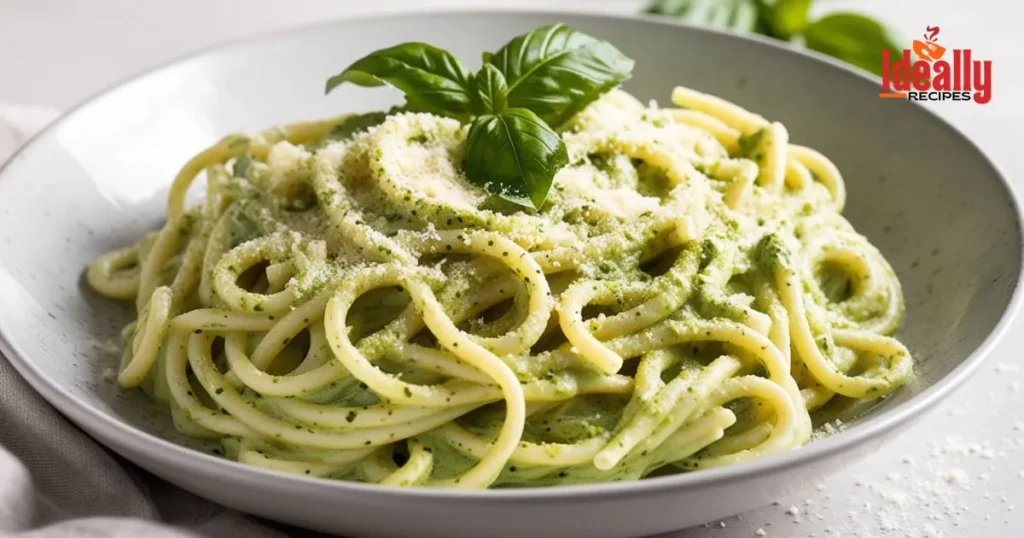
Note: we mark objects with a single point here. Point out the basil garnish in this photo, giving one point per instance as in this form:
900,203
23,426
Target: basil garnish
515,154
432,79
490,91
555,71
536,81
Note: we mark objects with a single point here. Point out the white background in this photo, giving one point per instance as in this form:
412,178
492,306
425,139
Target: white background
959,472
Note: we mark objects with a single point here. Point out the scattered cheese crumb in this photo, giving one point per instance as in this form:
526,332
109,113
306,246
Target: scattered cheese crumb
760,532
899,504
957,475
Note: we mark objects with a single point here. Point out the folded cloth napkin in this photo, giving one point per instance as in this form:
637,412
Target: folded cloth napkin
56,481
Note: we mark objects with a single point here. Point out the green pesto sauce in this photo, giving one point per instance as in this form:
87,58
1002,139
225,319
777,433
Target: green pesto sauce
609,204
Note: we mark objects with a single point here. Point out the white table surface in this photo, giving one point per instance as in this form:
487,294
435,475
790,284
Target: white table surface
959,472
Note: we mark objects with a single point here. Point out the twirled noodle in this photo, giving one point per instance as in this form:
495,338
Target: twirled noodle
349,306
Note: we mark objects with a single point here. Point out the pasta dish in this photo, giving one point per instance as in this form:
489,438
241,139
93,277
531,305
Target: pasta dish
347,302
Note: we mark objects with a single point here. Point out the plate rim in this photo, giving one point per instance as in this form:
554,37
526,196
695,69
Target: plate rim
867,429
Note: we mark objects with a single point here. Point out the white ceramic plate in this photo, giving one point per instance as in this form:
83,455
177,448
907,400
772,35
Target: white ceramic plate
931,201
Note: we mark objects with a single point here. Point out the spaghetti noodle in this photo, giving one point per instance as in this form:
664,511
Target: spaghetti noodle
345,304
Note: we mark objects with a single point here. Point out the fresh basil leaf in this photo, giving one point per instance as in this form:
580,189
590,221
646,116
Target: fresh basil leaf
514,155
489,90
356,123
737,15
432,79
788,18
853,38
556,71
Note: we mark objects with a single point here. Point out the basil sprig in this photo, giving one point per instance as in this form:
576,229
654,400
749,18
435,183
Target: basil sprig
535,82
853,38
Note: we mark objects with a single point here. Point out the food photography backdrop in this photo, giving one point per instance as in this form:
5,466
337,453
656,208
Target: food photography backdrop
957,472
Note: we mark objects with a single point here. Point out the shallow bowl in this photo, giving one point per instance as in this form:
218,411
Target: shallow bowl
96,179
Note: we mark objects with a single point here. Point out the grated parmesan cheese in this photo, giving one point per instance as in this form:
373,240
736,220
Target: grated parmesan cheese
285,157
